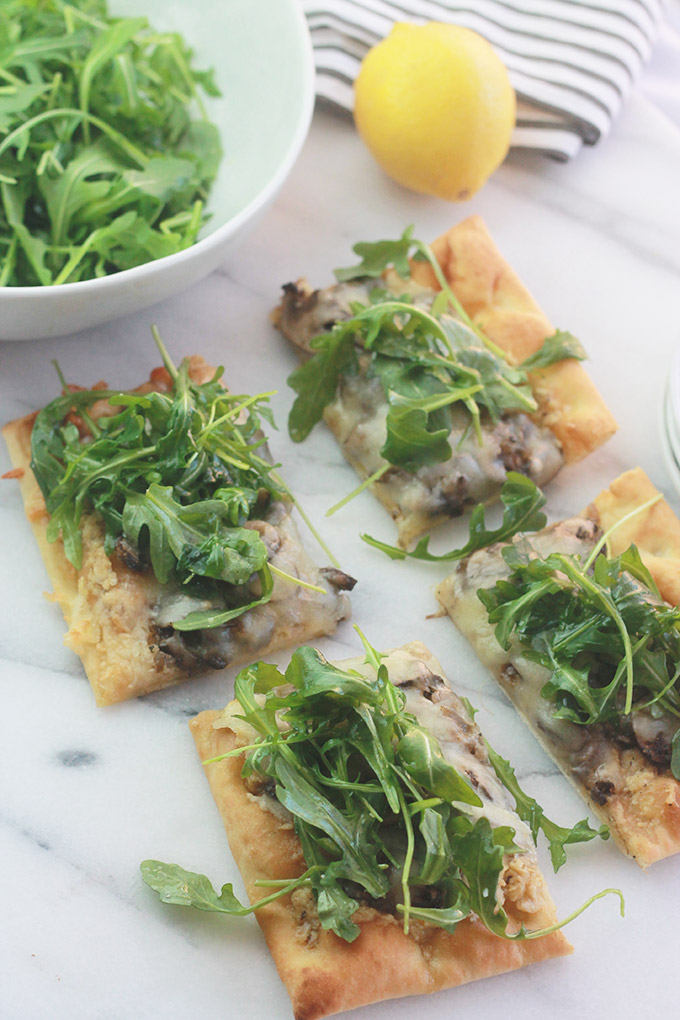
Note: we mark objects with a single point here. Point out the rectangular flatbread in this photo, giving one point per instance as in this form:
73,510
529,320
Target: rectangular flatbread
624,774
325,974
119,616
572,419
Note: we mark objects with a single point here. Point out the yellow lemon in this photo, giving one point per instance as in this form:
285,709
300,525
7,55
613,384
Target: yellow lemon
434,105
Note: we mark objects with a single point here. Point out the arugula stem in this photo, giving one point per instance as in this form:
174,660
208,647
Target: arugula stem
374,658
529,402
665,690
438,400
9,261
408,858
90,422
8,76
221,448
560,924
117,462
473,408
422,805
75,259
339,746
376,476
260,745
276,477
64,112
606,603
403,308
287,887
296,580
426,250
604,539
71,13
265,883
167,360
234,412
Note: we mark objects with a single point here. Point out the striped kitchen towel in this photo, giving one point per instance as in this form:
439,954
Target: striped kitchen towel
571,62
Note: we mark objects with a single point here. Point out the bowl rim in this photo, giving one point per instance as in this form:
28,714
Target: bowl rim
204,246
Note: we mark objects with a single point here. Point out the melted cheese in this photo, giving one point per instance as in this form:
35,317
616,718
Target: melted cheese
605,770
357,416
440,711
293,612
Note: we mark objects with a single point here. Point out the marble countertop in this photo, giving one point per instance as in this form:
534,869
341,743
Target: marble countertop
87,793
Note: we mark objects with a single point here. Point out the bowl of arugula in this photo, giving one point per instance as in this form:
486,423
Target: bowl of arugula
139,139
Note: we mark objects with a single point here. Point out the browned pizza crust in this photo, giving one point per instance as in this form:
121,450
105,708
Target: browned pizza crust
109,607
496,299
638,799
324,974
656,531
572,419
105,604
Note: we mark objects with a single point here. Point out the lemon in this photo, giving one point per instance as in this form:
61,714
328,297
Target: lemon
434,105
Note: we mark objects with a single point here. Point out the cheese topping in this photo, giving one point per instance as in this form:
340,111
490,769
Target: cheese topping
595,757
357,416
439,710
292,609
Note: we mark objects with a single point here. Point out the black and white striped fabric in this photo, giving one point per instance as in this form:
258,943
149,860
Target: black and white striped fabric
571,62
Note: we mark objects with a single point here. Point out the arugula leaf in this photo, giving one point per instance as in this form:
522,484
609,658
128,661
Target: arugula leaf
316,381
608,642
186,888
313,675
675,755
176,885
447,918
435,863
530,811
480,859
100,115
347,831
419,355
555,348
421,755
192,539
522,501
374,802
409,442
174,474
377,256
335,908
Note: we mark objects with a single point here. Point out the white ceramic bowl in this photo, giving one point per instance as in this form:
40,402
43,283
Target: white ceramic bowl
262,56
669,424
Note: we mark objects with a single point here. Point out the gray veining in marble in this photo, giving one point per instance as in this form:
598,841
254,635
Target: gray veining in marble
87,793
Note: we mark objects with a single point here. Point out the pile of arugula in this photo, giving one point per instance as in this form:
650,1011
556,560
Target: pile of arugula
103,165
426,359
173,475
381,816
600,626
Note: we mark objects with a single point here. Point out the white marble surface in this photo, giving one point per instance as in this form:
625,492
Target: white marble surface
88,793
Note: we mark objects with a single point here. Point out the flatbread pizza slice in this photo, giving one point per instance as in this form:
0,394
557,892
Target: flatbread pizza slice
438,374
579,625
365,788
170,547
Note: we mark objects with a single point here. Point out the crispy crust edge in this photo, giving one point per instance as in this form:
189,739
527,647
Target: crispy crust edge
645,818
655,531
105,604
494,296
325,975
